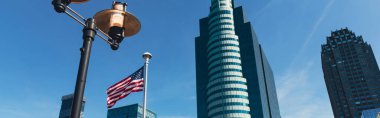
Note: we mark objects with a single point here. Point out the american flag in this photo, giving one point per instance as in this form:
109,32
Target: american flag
132,83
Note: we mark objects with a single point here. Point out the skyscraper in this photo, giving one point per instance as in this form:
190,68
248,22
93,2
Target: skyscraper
351,74
234,78
130,111
66,105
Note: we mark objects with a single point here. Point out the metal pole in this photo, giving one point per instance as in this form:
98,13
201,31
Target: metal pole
147,56
89,33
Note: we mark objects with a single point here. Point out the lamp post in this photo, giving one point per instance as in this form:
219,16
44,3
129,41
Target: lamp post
116,22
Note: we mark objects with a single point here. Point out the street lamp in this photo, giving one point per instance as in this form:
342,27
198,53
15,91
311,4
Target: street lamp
116,22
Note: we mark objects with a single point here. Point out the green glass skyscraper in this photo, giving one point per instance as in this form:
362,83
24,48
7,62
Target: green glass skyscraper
129,111
234,78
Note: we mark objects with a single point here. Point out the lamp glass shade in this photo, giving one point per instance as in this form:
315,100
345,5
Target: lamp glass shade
108,18
117,19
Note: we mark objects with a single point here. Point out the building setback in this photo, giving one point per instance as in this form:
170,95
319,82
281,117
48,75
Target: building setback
351,74
234,78
66,105
130,111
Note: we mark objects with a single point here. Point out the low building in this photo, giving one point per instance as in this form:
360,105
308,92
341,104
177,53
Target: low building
67,102
129,111
371,113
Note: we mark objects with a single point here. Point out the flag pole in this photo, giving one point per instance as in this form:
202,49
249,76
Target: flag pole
147,56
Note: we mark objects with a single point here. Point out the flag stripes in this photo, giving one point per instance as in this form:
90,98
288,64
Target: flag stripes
121,89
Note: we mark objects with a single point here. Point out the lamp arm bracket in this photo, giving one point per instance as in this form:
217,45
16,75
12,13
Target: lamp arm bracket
80,21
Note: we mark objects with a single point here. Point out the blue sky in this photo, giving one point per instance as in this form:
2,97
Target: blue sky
39,53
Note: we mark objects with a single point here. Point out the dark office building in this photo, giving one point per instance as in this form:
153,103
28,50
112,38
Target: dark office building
67,102
234,78
351,74
130,111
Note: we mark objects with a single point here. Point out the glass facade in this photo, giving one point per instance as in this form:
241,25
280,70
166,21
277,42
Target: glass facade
66,105
130,111
227,94
234,78
372,113
351,74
